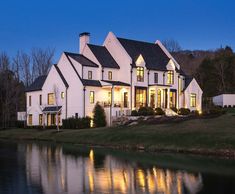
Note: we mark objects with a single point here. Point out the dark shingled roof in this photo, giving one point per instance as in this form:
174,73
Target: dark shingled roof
52,109
89,82
153,55
37,84
103,56
188,80
61,76
116,83
84,61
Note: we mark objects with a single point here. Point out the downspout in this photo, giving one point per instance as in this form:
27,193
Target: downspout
178,91
148,88
102,74
111,105
164,78
84,101
131,88
66,103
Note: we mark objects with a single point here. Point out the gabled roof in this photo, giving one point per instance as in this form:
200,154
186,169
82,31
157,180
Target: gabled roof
37,84
188,80
116,83
84,61
103,56
61,76
154,56
89,82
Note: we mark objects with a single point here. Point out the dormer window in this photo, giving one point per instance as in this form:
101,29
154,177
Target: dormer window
140,74
89,74
170,77
110,75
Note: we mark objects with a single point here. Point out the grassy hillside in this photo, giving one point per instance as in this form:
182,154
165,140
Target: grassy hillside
206,136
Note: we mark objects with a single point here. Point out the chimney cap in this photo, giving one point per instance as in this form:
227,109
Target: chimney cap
84,34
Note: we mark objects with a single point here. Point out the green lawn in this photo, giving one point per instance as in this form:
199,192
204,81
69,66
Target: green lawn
198,134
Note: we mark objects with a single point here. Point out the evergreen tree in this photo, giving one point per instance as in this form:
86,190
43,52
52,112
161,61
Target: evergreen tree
99,116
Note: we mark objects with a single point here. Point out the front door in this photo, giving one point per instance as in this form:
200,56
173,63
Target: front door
152,98
125,103
159,98
172,99
140,97
51,119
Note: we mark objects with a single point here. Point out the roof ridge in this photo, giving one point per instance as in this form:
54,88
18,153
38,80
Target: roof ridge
141,41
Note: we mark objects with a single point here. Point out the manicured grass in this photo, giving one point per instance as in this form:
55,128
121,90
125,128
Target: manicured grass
199,134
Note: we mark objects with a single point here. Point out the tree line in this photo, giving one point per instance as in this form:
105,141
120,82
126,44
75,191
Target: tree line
16,74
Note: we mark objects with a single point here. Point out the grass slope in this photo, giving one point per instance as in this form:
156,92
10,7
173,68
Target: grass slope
199,135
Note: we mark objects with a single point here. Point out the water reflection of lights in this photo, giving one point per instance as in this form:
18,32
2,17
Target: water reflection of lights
56,172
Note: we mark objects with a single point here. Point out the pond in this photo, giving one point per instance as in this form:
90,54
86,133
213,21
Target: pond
29,168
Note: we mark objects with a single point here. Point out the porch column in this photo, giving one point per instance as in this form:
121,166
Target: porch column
156,97
111,105
168,98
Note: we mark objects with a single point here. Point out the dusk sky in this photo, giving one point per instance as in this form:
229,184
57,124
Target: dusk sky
198,24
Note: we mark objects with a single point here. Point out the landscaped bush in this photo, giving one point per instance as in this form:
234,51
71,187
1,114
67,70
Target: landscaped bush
195,113
216,111
99,116
20,124
225,106
134,113
184,111
145,111
159,111
76,123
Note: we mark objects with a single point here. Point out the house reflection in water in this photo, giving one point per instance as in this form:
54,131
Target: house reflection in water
58,173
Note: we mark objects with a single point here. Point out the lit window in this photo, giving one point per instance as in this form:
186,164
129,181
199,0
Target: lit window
40,99
110,75
40,119
155,77
89,74
30,119
51,99
140,74
92,97
193,100
62,95
30,100
170,77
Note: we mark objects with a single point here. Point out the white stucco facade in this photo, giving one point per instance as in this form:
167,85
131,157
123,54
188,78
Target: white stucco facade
119,75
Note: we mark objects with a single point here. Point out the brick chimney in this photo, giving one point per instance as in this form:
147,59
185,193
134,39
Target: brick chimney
84,38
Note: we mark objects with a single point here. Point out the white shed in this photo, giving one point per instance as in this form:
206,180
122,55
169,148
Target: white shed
224,100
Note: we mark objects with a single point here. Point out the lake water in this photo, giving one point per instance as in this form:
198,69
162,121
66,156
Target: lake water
27,168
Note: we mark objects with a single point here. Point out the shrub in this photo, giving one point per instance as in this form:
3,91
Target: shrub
229,106
159,111
20,124
225,106
99,117
174,109
76,123
145,111
195,112
134,113
184,111
216,111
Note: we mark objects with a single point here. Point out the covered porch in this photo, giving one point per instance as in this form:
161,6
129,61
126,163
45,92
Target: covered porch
156,96
116,99
51,116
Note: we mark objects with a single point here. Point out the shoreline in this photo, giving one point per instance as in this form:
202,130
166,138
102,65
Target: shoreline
220,153
210,137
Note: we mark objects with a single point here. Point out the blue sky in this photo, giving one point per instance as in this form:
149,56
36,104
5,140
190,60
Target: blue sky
198,24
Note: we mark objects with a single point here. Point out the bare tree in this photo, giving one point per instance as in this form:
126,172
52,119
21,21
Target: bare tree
56,96
171,45
42,61
4,61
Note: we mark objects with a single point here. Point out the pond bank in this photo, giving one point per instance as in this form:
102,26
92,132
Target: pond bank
215,136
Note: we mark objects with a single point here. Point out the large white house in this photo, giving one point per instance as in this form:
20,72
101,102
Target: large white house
122,75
